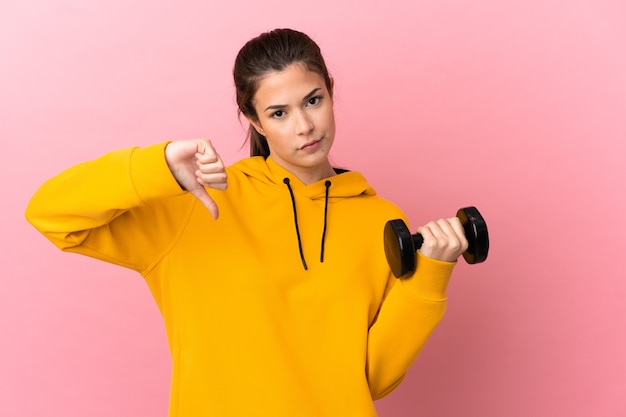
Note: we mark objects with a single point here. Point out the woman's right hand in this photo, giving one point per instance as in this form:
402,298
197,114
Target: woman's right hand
195,164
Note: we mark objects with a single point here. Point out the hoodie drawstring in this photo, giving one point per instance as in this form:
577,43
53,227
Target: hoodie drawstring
295,219
327,184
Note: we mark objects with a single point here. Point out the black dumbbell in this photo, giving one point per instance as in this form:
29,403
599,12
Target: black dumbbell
401,245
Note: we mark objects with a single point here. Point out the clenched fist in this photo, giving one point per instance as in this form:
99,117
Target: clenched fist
444,239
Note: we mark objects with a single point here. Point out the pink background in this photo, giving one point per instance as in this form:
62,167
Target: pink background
517,107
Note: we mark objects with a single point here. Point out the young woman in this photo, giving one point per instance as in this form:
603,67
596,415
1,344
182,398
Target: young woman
270,273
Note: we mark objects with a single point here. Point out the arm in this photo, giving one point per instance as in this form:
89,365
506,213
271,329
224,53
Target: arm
409,314
413,307
118,208
106,207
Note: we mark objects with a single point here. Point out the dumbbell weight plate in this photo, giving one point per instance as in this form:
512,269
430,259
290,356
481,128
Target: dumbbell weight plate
400,249
476,234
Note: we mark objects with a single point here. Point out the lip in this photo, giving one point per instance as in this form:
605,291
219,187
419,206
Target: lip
310,144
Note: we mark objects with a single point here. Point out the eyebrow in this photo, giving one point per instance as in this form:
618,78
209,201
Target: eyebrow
282,106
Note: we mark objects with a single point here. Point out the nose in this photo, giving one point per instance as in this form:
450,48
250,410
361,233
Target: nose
304,124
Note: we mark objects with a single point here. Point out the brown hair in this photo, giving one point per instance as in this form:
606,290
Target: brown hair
269,52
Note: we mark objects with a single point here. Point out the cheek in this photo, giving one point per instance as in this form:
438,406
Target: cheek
276,134
330,120
276,139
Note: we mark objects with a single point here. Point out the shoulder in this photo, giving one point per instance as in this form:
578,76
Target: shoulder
382,207
367,196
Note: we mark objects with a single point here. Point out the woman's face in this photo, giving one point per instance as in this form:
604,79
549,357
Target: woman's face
295,114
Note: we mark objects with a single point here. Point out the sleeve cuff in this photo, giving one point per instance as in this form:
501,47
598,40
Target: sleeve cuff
150,174
430,280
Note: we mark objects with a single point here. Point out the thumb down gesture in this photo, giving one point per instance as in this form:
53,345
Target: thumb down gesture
195,164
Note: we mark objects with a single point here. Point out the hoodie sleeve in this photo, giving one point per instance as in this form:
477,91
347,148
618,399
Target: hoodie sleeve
110,208
409,313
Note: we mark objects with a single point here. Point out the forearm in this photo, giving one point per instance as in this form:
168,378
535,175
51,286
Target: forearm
409,314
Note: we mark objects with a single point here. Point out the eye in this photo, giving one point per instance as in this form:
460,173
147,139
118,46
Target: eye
313,101
278,114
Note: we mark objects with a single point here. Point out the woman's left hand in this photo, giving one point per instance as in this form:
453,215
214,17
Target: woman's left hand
444,239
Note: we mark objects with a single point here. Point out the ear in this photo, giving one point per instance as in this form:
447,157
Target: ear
332,86
256,125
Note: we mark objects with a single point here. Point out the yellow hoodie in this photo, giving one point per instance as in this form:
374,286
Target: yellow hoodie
284,306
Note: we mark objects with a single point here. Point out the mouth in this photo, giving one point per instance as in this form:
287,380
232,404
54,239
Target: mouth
310,144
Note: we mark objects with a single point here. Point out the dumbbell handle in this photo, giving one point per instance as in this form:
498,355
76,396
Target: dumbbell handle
418,240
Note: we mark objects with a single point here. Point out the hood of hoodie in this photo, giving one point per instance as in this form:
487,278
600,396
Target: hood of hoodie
345,184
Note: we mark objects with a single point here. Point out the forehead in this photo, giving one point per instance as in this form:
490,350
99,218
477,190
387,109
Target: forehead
292,83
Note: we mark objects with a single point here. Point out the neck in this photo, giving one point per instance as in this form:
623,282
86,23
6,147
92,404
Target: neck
309,176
